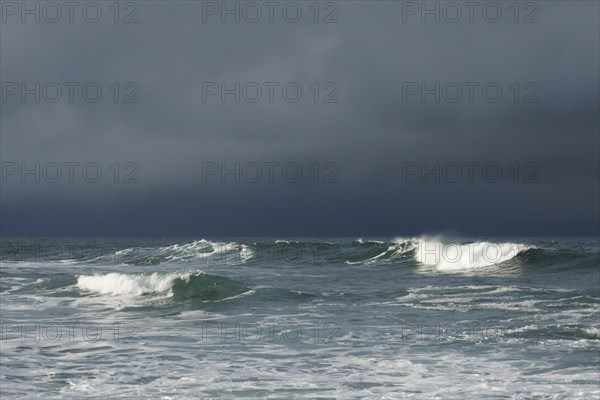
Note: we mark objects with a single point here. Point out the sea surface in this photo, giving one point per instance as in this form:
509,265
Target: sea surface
334,318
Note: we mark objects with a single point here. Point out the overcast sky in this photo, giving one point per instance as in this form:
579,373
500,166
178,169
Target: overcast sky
370,133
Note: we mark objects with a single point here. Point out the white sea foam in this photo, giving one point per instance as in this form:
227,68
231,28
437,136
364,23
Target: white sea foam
246,252
593,332
448,256
361,241
122,284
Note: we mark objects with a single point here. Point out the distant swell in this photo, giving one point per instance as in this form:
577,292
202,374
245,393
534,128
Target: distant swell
177,285
442,254
195,251
371,252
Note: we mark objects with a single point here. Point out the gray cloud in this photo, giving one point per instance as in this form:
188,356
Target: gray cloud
369,133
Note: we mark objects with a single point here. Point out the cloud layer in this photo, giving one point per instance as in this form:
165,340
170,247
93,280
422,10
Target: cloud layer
360,133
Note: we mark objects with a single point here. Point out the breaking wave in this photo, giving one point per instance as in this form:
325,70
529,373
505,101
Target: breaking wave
451,256
176,285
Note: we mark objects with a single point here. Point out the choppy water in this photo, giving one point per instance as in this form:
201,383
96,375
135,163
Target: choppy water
307,318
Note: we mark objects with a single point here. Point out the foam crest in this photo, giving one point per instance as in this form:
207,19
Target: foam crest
179,286
447,256
195,251
593,332
121,284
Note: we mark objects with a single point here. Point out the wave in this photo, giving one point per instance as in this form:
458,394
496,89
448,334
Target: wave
195,285
373,251
441,254
422,251
445,256
592,333
558,260
195,251
454,256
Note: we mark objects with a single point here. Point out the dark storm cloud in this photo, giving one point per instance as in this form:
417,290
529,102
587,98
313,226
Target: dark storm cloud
371,133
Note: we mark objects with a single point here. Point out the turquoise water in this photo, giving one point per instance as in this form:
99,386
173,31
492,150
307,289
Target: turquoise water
306,318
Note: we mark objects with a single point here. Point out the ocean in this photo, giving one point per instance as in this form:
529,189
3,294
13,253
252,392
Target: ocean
318,318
